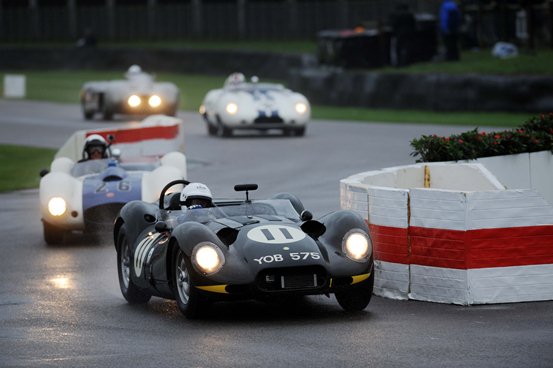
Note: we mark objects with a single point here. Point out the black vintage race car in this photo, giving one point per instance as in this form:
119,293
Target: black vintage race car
240,249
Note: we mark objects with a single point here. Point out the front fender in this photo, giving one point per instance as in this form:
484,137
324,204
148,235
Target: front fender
338,224
61,184
235,270
134,215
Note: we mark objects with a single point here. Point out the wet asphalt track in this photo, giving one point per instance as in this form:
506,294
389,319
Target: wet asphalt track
61,306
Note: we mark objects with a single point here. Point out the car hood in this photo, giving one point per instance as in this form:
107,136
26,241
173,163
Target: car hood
114,185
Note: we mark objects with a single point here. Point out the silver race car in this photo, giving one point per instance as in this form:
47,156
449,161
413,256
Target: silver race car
253,105
138,94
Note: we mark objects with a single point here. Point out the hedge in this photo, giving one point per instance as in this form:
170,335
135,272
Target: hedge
534,135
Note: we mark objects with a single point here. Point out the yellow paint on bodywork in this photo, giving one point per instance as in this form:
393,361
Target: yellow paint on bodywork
221,289
357,279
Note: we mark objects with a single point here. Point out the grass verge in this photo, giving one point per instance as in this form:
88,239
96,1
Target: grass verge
20,166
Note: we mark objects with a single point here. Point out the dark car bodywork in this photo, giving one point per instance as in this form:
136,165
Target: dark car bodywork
268,250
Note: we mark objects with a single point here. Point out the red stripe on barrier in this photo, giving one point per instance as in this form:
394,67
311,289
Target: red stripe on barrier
138,134
483,248
390,244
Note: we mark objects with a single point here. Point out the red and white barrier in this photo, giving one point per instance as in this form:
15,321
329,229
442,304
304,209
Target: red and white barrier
480,244
154,136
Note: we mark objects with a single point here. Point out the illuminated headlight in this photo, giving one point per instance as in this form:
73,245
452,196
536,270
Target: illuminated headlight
232,108
154,101
357,246
134,101
57,206
301,108
208,258
202,109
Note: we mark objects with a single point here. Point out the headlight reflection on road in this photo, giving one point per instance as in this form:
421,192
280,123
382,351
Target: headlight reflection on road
61,282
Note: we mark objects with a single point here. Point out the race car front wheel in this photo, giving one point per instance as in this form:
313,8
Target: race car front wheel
189,301
129,290
52,234
358,297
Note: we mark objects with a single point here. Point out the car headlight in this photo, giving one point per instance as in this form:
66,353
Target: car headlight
202,109
357,245
208,258
57,206
232,108
301,108
134,101
154,101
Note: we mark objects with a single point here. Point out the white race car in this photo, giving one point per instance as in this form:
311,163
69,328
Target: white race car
138,94
254,105
86,194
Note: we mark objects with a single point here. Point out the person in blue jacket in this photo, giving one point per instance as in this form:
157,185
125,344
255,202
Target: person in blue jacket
450,21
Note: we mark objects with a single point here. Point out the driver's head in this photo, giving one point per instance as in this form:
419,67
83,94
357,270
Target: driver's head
95,147
235,79
195,195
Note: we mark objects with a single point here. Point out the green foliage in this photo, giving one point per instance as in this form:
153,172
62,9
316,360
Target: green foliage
20,166
534,135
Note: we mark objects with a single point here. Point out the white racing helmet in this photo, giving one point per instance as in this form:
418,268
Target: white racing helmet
235,79
95,141
134,69
194,191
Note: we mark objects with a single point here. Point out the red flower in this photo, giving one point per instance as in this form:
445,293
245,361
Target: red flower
460,141
497,136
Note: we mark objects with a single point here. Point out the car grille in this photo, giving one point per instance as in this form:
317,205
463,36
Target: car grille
292,279
102,216
268,119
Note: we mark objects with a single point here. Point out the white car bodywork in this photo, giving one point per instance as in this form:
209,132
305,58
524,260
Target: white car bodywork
139,168
120,96
260,106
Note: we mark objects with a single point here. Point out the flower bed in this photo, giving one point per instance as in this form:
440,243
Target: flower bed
533,136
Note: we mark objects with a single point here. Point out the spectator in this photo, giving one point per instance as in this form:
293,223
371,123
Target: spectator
450,19
403,25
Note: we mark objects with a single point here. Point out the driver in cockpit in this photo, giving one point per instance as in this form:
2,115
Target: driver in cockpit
195,195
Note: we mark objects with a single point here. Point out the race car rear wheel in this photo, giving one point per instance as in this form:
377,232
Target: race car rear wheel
52,234
189,301
357,298
130,291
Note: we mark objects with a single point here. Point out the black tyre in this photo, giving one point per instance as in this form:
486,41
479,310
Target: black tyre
211,130
189,301
130,291
88,115
52,234
223,131
356,299
300,132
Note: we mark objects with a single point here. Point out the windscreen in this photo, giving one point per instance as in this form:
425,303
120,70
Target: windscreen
270,207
